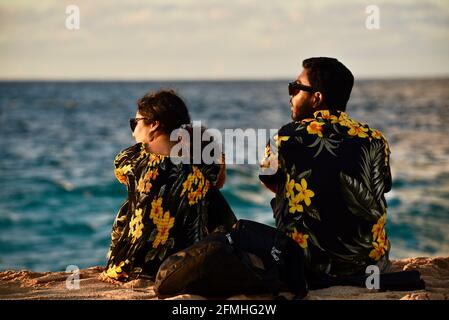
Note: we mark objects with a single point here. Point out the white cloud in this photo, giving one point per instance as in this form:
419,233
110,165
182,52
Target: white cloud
219,39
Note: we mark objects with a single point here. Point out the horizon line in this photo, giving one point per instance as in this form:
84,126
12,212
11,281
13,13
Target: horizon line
224,79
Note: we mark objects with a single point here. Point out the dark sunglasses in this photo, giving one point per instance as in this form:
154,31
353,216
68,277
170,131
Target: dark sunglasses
294,88
133,122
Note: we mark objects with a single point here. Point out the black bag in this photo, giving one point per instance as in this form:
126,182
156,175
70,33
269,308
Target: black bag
394,281
252,258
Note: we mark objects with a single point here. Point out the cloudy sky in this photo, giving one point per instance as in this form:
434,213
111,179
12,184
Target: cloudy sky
229,39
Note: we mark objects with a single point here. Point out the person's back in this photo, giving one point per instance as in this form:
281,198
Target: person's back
171,204
332,175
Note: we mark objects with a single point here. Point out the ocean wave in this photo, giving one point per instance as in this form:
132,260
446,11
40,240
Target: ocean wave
59,196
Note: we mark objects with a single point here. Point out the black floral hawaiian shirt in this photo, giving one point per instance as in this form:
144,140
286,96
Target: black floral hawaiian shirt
167,209
332,173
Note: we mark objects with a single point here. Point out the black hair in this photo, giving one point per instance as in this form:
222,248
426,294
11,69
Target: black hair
330,77
166,107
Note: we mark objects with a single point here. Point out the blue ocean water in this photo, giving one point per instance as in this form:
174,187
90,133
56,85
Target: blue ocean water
59,196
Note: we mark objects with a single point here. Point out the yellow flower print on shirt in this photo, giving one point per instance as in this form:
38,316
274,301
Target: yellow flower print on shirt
116,272
145,184
163,224
156,208
376,134
380,242
379,250
155,160
196,186
120,173
295,199
387,151
345,121
304,193
357,130
136,225
290,187
325,114
294,204
300,238
379,227
315,127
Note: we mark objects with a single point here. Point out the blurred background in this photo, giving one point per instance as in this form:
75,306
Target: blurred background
66,97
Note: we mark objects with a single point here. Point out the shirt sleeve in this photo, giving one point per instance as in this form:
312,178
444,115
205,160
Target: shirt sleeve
387,169
119,225
271,171
124,162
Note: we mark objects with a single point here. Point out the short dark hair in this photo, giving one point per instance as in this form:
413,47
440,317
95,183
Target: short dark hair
330,77
166,107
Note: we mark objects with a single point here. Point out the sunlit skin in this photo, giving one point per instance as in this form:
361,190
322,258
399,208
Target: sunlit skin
157,141
303,105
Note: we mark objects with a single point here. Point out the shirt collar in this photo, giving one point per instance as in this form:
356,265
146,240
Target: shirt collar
328,113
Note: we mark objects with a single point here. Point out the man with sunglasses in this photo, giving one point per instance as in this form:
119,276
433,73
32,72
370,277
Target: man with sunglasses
331,173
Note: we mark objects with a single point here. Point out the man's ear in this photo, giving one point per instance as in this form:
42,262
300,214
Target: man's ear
153,129
154,126
318,99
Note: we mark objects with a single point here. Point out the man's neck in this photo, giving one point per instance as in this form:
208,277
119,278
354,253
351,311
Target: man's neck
160,145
